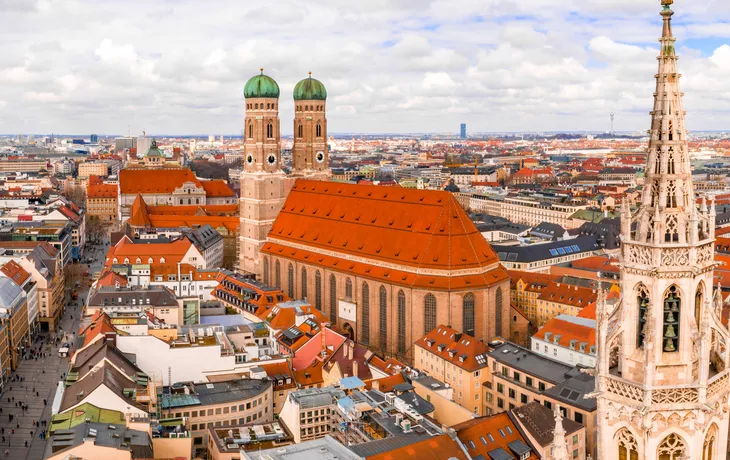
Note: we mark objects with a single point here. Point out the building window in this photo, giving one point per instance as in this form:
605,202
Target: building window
333,299
266,270
270,130
578,417
291,281
429,313
365,301
318,291
498,313
467,314
300,131
304,283
277,274
383,318
401,322
671,320
348,289
250,130
319,130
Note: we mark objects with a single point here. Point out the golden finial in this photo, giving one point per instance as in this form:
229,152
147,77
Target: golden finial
667,2
310,74
262,70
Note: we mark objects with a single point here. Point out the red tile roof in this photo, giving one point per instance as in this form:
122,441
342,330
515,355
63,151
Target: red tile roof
440,447
217,188
459,349
172,252
565,294
15,272
496,430
424,229
567,331
154,181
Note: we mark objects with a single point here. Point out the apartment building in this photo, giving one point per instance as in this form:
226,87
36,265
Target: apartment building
220,404
309,413
520,376
568,339
92,168
526,287
560,298
101,201
456,359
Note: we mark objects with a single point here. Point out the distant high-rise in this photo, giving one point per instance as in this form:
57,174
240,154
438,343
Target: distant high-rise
123,143
143,144
463,131
94,139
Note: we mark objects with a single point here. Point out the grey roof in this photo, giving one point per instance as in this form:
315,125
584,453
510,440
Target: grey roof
203,237
110,295
573,389
319,449
372,448
316,397
545,251
500,454
116,436
9,294
421,406
531,363
548,230
231,390
539,421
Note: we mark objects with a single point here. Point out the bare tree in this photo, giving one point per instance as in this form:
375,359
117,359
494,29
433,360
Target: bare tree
96,229
77,195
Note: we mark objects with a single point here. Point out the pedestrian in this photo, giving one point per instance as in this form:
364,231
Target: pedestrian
12,431
45,403
26,444
7,452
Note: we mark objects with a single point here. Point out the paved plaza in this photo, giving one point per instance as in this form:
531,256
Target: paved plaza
42,375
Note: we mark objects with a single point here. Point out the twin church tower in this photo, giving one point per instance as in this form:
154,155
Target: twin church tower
264,185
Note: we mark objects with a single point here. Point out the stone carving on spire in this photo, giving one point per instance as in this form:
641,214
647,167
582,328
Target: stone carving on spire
560,447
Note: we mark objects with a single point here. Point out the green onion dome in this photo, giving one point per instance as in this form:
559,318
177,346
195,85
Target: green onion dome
261,86
310,89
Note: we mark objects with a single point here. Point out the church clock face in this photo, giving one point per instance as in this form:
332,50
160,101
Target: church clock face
320,157
249,159
271,159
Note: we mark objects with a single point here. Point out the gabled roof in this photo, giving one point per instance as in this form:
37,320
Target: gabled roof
569,332
565,294
422,229
108,376
436,447
539,421
138,213
217,188
459,349
173,252
100,324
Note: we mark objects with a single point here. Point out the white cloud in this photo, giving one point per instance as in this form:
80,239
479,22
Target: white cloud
389,65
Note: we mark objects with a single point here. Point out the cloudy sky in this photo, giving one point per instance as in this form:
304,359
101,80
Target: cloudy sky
179,66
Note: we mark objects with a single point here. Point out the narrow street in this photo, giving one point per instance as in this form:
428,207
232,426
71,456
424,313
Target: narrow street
41,379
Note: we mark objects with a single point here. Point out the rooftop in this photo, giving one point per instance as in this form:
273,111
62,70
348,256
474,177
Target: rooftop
529,362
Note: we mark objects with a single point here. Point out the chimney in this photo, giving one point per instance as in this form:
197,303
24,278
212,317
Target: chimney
354,368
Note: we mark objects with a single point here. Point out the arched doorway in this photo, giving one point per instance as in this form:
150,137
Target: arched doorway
349,332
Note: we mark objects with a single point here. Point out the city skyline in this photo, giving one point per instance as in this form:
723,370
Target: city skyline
390,66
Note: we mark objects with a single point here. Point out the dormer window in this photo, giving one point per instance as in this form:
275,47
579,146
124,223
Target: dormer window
572,344
548,335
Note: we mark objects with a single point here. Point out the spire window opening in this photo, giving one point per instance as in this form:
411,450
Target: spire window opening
672,233
671,313
642,301
670,158
671,195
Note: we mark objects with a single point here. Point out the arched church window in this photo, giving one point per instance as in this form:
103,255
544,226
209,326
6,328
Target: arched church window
671,448
708,447
304,283
642,301
670,330
348,289
498,313
319,130
250,130
429,313
318,291
277,274
333,299
365,302
467,314
401,322
672,230
383,318
627,447
270,130
290,280
266,270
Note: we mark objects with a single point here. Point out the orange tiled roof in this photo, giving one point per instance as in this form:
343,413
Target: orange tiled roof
283,318
111,279
472,431
217,188
459,349
101,191
154,181
424,229
172,252
565,294
436,447
15,272
138,213
100,324
310,376
231,224
535,282
596,264
386,384
567,331
194,210
387,275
